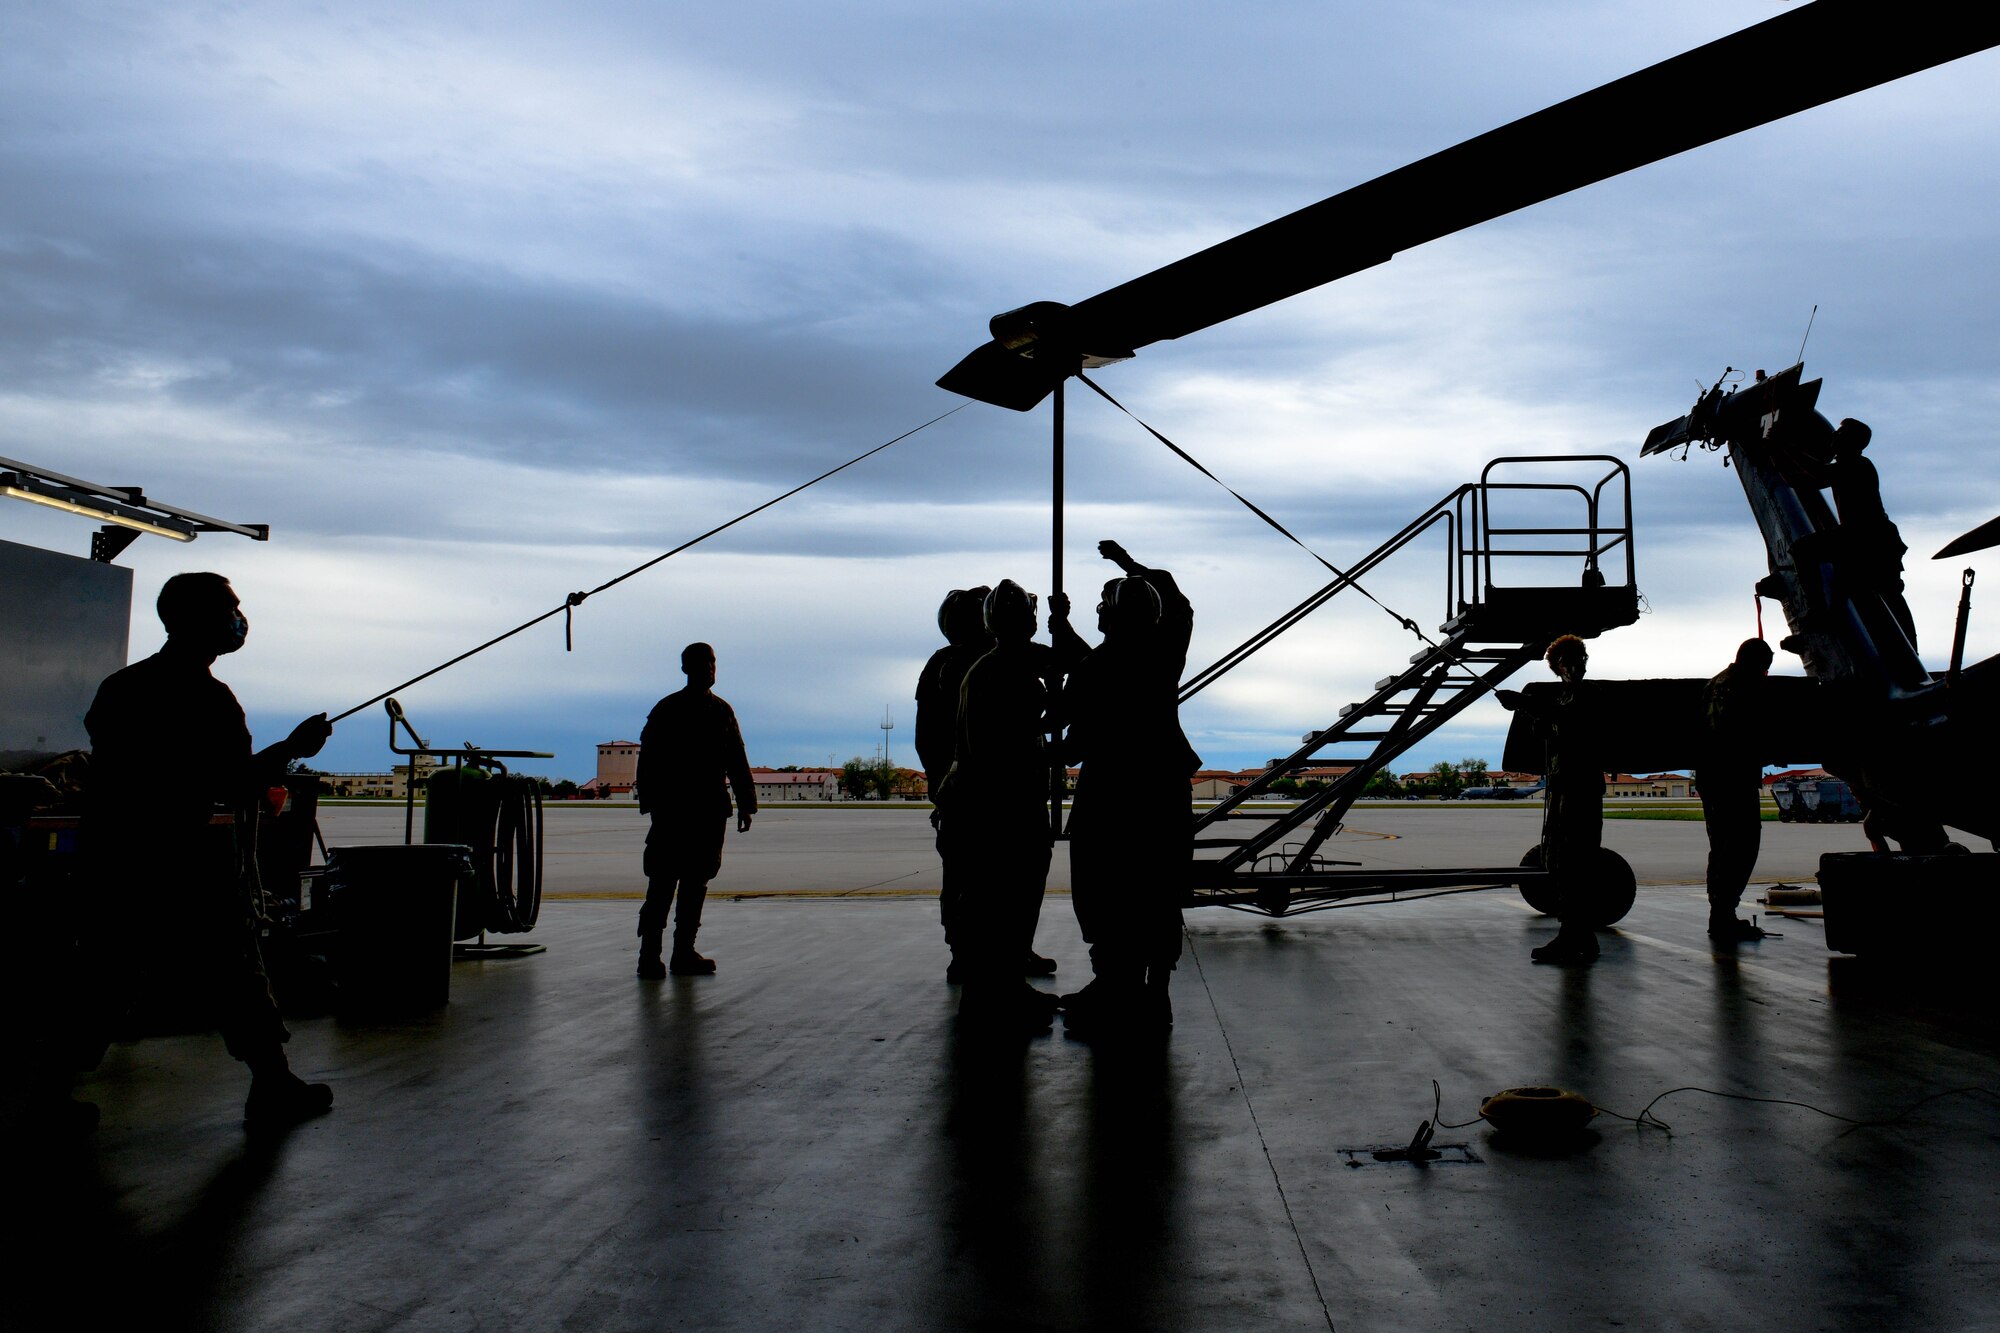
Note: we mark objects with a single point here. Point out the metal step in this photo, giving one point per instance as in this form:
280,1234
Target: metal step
1448,683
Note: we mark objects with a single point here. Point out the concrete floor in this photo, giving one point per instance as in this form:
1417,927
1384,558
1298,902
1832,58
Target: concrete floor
800,1143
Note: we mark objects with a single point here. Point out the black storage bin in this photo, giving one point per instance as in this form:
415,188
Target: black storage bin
1902,904
393,907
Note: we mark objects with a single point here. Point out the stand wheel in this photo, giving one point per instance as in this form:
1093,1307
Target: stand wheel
1539,894
1613,888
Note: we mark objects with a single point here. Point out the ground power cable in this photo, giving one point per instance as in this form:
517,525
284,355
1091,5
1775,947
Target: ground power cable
1243,1091
1646,1118
569,604
1285,532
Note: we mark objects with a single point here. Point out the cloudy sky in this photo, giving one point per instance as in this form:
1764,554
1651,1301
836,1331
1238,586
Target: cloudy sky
479,304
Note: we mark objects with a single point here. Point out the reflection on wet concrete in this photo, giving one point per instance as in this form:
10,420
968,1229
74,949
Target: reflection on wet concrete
801,1141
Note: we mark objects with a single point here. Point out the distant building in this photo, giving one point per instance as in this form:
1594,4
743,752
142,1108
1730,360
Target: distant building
1214,784
807,784
617,768
1673,786
1425,779
393,785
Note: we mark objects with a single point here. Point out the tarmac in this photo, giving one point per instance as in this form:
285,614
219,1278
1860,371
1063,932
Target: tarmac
803,1141
593,848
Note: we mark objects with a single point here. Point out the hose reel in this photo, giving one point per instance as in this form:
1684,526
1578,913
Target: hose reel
477,803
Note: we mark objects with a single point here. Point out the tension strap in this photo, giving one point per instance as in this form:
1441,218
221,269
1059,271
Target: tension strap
1280,528
570,603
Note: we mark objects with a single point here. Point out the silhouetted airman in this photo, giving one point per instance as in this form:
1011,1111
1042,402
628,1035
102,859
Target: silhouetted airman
690,746
1871,547
1730,780
1131,820
169,747
1573,800
995,822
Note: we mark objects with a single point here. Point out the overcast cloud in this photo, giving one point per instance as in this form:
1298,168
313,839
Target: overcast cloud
480,304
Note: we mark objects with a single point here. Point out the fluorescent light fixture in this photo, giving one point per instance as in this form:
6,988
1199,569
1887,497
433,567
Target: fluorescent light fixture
126,506
18,488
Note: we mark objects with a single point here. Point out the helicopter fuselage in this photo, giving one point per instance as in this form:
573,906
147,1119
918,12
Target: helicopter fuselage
1886,723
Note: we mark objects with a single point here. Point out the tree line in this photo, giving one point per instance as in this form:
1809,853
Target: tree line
1443,782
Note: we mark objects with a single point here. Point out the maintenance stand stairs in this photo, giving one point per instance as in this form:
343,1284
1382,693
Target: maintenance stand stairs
1245,851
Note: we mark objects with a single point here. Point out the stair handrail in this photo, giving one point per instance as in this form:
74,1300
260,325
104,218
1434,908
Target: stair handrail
1467,512
1449,510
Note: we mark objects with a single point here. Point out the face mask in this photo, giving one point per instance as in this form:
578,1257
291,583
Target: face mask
239,630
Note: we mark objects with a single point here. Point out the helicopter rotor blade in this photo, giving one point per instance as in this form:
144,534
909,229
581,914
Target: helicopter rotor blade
1807,56
1985,535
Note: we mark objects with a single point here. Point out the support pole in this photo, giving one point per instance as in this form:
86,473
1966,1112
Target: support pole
1056,551
1055,589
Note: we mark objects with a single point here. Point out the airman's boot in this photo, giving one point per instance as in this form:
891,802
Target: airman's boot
999,1004
1109,1003
650,966
684,961
279,1098
1574,943
1729,928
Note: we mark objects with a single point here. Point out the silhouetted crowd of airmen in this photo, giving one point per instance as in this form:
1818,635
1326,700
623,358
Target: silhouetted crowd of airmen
1000,718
